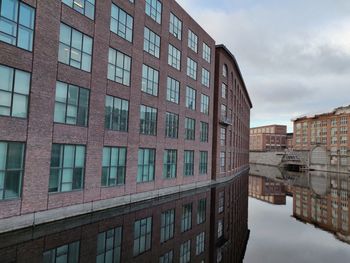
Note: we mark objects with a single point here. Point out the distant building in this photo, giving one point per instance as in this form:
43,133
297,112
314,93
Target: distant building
325,135
290,140
268,138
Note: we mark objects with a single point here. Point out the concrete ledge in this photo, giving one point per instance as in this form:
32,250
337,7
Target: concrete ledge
37,218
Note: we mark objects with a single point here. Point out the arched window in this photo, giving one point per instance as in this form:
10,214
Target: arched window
224,70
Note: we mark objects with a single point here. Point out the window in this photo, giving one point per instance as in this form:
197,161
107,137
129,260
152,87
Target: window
222,136
200,242
185,252
113,166
109,244
220,228
150,79
148,120
224,70
75,48
190,129
173,90
223,111
121,23
11,169
175,27
154,10
206,53
167,257
146,165
204,130
151,43
201,211
203,162
189,163
71,104
192,41
191,68
205,77
190,98
186,217
223,90
67,253
205,104
174,57
116,114
14,92
119,67
67,168
222,161
221,202
169,163
142,235
17,24
167,225
85,7
171,125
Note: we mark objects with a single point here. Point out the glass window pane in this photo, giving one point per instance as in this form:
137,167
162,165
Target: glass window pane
6,76
15,156
9,9
3,153
65,34
19,106
80,156
22,82
68,156
25,38
12,184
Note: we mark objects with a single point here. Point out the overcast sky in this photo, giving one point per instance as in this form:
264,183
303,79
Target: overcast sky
294,54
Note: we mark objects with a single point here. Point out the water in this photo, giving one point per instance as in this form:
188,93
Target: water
313,229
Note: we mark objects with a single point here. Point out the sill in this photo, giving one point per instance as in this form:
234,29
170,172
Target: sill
73,191
14,117
70,125
15,46
10,199
113,186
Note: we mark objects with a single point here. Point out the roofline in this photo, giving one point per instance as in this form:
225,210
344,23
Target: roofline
238,69
270,125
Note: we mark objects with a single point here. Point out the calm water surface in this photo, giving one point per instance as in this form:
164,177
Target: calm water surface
278,237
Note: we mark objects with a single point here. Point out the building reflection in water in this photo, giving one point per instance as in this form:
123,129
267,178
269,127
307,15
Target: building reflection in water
319,198
208,225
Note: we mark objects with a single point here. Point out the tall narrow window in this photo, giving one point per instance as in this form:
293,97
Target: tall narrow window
222,161
171,125
119,67
186,217
191,68
67,168
175,26
204,130
223,91
11,169
192,41
185,252
206,53
200,242
167,257
148,120
173,90
221,202
190,129
205,104
151,42
121,23
201,211
109,244
203,162
154,10
189,163
150,79
17,24
222,136
14,92
167,225
116,114
205,77
224,70
190,98
146,165
113,166
169,163
66,253
174,57
220,228
71,104
85,7
75,48
142,235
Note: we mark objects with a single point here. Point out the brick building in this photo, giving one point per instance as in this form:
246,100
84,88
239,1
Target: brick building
106,103
325,135
290,140
268,138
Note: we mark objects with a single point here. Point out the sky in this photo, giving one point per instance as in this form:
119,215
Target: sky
294,54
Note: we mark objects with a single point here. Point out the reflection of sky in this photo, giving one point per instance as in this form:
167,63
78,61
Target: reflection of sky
276,237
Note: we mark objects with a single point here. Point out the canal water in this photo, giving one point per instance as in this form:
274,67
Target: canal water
298,217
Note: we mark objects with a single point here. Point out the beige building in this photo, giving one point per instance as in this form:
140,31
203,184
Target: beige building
268,138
